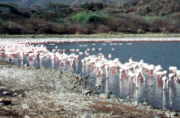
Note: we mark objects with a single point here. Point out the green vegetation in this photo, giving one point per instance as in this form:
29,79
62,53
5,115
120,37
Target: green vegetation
154,18
89,17
1,22
92,18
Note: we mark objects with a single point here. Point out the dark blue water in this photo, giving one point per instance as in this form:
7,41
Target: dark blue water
163,53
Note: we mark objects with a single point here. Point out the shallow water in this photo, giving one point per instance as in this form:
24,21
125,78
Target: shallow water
163,53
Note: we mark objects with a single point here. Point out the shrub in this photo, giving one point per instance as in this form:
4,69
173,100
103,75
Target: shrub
1,22
102,29
128,24
80,29
153,18
40,26
59,20
60,9
13,28
175,18
93,6
89,17
164,26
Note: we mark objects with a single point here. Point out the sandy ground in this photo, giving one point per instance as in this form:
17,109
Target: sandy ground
43,93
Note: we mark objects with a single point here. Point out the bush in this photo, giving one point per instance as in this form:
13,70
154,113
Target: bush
60,9
164,26
153,18
128,24
13,28
41,26
1,22
89,17
81,29
103,29
93,6
175,18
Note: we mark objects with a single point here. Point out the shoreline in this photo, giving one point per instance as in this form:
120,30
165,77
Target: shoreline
101,35
89,40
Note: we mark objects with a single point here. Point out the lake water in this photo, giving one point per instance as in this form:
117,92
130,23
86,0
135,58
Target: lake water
163,53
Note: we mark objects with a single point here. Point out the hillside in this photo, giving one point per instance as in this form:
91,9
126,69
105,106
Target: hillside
89,16
42,3
155,7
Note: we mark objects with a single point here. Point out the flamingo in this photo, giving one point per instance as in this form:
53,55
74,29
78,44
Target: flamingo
134,78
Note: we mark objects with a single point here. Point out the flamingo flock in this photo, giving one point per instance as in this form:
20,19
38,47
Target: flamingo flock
133,80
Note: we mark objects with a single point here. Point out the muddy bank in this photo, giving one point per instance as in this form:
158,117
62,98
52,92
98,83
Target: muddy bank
43,93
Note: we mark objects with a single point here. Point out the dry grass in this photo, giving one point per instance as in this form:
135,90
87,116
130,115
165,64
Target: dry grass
5,63
44,93
122,110
39,96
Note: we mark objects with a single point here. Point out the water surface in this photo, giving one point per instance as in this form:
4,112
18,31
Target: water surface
163,53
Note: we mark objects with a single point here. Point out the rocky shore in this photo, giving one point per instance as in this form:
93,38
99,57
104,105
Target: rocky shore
43,93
